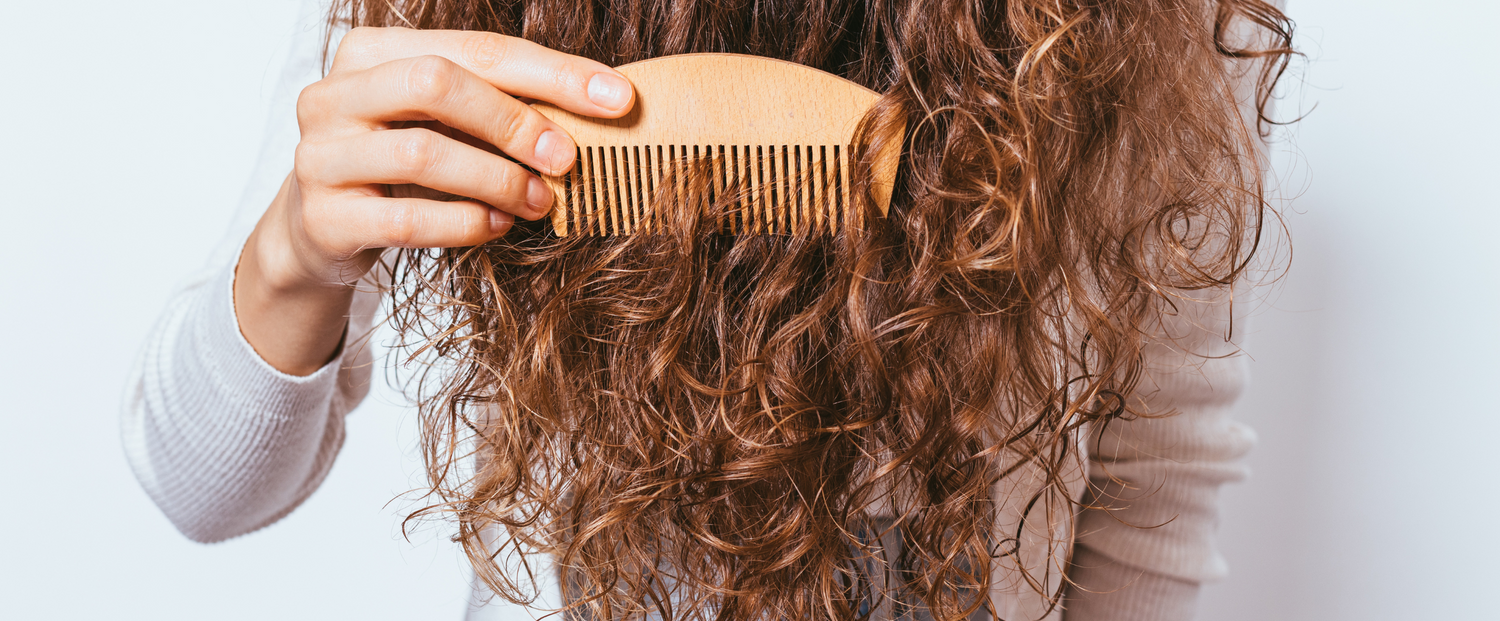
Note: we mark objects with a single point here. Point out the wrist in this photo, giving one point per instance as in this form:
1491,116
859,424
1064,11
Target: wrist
294,325
293,314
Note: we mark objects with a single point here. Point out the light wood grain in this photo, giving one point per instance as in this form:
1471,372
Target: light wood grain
767,126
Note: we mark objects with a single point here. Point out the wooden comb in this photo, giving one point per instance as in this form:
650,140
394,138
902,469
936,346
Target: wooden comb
772,136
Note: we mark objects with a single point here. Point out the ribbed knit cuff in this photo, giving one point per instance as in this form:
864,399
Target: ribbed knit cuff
224,330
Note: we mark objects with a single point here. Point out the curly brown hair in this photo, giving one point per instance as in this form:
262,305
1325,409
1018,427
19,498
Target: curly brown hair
698,425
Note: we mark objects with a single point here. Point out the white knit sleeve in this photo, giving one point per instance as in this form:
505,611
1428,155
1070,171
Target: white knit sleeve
221,441
1147,539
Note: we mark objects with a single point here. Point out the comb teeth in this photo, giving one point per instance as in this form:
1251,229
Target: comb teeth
756,189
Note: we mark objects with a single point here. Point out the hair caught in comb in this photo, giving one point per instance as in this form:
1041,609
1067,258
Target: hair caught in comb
768,189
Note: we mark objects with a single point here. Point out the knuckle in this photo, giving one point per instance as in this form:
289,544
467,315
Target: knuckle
571,76
512,178
518,122
511,181
476,223
486,50
357,36
414,153
430,79
320,219
355,45
306,162
311,102
400,224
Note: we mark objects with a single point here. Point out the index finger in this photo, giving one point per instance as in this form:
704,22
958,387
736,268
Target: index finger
513,65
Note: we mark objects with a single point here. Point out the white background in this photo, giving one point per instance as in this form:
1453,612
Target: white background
131,127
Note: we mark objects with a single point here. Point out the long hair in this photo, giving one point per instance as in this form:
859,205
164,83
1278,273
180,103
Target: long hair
698,425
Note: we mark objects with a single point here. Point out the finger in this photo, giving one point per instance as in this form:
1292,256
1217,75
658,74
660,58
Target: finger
379,222
426,158
433,87
513,65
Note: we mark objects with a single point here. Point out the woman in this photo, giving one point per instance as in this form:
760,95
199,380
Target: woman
1006,400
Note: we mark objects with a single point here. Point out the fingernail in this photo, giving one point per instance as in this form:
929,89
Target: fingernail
499,221
554,152
609,91
538,197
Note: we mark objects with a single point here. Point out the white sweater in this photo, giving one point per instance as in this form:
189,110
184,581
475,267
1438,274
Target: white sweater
225,444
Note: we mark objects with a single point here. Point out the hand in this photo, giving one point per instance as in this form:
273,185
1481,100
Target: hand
427,113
